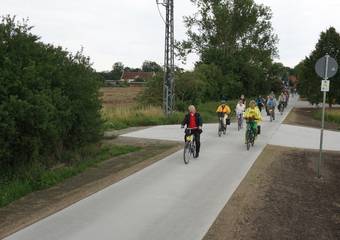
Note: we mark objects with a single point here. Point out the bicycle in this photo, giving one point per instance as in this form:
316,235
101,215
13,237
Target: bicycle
189,146
281,108
240,121
222,128
272,114
250,134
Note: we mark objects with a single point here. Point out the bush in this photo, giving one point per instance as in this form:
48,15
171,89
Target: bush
49,100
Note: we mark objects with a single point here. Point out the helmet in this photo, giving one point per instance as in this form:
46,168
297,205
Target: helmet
223,101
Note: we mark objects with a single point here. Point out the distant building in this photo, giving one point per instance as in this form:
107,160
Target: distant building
131,77
111,82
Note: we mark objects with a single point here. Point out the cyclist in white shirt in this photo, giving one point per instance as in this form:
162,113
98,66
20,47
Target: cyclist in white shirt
240,108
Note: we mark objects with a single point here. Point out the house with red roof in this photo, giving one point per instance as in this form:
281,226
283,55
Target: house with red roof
131,77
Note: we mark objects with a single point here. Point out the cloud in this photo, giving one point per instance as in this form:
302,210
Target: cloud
132,31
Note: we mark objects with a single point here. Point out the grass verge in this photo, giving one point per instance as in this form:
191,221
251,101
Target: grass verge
331,115
23,182
123,117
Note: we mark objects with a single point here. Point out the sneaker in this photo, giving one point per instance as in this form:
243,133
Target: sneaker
197,155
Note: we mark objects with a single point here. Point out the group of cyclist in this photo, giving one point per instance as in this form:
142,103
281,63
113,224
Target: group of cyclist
252,114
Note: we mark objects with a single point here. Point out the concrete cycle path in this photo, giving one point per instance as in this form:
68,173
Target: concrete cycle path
167,200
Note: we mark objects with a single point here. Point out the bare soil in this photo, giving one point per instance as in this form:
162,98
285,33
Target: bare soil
280,198
41,204
304,117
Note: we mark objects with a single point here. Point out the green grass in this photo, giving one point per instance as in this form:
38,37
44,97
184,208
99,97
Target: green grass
25,181
124,117
331,115
120,118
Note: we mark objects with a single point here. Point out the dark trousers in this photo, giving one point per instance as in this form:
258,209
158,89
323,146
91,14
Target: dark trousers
197,134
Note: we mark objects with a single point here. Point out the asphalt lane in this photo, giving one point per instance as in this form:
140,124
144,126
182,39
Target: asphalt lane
306,138
167,200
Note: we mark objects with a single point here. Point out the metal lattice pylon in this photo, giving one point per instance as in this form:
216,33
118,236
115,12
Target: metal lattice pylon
169,59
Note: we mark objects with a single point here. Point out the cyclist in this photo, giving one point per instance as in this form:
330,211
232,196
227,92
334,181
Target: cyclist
260,103
286,94
240,108
282,101
193,121
253,117
243,99
223,111
271,104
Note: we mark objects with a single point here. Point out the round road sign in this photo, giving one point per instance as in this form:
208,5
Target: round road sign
320,67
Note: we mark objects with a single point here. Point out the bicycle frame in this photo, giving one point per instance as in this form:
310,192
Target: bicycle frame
240,120
189,147
250,134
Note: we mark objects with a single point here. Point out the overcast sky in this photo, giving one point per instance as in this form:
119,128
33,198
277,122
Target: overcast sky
132,31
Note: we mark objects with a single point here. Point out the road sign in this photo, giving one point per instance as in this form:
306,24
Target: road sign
320,67
325,85
326,68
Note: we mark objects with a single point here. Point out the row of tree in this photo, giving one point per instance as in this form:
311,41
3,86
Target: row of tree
236,45
309,82
118,68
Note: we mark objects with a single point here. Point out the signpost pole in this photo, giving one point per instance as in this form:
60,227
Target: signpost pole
323,121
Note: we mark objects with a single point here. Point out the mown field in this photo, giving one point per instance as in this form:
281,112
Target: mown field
120,97
122,109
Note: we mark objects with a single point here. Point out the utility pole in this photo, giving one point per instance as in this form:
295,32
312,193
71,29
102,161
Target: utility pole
169,58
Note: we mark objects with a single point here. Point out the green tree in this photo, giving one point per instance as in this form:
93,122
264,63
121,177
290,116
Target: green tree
49,100
190,86
309,82
115,73
117,70
150,66
153,92
235,35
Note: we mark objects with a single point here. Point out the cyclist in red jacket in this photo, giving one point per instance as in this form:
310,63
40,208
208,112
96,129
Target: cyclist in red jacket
193,121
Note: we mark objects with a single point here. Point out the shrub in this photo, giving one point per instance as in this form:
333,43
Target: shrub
49,98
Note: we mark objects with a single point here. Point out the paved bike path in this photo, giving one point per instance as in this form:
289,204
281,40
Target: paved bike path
167,200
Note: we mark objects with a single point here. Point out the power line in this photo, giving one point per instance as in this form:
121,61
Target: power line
159,10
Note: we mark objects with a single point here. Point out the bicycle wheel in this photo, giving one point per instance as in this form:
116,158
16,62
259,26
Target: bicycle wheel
186,153
219,129
248,140
271,116
193,149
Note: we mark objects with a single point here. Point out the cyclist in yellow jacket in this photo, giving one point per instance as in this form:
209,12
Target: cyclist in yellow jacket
223,111
253,116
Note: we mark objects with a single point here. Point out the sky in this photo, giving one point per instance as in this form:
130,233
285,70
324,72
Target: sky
132,31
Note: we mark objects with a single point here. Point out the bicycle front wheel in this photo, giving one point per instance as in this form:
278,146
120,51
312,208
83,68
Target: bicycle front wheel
186,153
248,140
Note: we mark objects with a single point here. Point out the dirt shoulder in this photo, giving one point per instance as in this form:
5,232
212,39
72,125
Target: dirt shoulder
41,204
304,117
280,198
